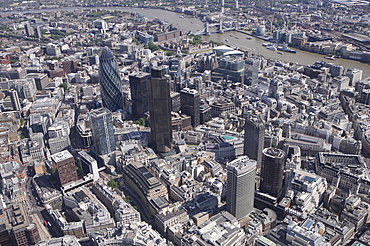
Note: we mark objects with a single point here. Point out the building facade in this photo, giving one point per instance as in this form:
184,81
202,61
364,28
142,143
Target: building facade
64,163
160,110
254,134
102,131
240,186
190,105
139,93
110,81
272,171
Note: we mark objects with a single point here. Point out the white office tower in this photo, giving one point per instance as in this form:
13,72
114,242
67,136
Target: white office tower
236,4
354,75
240,186
88,160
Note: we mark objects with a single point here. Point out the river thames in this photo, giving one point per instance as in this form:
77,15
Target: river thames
234,39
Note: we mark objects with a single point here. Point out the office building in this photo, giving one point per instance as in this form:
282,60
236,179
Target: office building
160,110
16,229
102,131
88,160
41,80
110,81
252,67
70,66
241,174
148,187
220,229
272,171
190,105
15,100
354,75
37,32
254,134
139,93
230,68
26,88
29,30
64,164
58,144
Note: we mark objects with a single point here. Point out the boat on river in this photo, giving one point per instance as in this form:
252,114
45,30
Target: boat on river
271,47
286,48
330,58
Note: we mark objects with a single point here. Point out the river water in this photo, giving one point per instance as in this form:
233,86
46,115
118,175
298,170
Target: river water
233,38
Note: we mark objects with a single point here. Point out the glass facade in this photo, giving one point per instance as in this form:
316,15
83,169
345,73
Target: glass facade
103,132
110,81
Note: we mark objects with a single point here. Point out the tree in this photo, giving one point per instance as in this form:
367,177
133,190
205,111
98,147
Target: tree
64,85
112,184
140,122
170,53
134,40
152,46
196,39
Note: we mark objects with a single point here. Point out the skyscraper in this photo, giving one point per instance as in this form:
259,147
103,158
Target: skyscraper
190,105
14,100
29,30
272,171
37,32
240,186
103,132
110,81
254,134
160,110
64,163
252,67
139,93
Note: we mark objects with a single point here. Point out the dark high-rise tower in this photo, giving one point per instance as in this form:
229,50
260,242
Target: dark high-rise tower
103,131
110,81
139,93
190,105
254,134
64,163
160,109
272,171
241,175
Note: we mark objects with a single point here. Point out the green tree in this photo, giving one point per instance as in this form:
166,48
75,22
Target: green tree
64,85
134,40
78,168
196,39
152,46
216,43
140,122
112,184
170,53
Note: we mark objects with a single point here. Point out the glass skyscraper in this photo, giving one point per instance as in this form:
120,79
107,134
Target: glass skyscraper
103,132
110,81
254,135
272,171
160,110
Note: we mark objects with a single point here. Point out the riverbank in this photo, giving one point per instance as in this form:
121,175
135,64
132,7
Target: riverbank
253,45
300,49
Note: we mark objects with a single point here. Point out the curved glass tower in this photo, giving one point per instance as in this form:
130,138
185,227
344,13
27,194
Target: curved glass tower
110,81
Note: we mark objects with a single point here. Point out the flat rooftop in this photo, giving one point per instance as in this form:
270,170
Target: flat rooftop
61,156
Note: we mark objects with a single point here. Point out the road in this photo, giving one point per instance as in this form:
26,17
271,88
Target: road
38,211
